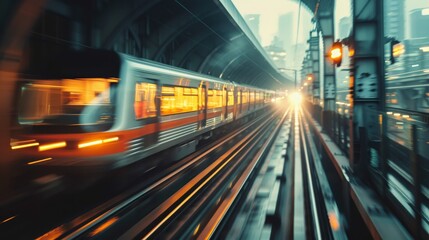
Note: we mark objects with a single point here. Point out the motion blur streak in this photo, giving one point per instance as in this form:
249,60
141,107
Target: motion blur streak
55,234
52,146
333,220
39,161
196,230
88,144
104,226
97,142
25,145
113,139
8,219
187,199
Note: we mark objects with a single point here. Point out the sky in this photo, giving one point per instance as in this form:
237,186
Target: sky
270,10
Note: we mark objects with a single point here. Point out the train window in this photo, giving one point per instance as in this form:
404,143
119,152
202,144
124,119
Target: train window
144,101
256,98
84,104
239,97
178,100
245,97
252,97
230,98
215,98
190,91
203,95
211,102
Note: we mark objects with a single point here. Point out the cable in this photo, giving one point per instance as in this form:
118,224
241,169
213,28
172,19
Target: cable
297,30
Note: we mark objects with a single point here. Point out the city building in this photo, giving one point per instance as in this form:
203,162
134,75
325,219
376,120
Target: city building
286,34
394,19
419,19
277,52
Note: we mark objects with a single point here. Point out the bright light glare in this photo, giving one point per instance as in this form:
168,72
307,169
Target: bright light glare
335,53
88,144
52,146
296,98
333,221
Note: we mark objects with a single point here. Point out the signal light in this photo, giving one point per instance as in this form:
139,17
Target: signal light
336,53
396,50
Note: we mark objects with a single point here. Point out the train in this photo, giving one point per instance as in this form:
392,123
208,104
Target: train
102,109
408,92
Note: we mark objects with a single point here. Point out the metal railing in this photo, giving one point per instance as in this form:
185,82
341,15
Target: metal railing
335,124
396,158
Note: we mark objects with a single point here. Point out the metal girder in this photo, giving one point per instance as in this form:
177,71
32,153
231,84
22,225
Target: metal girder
180,32
194,33
115,17
177,27
317,6
326,23
217,63
187,51
315,63
210,56
368,69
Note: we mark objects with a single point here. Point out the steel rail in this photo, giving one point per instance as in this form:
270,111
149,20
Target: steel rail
311,189
187,192
88,221
221,212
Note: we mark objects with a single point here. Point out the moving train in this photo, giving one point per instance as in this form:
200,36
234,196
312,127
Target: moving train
105,110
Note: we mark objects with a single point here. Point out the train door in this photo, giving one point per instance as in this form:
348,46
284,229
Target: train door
202,113
147,108
235,107
240,101
249,100
225,102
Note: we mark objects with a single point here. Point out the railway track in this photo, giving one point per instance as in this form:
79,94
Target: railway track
188,190
317,216
177,204
200,196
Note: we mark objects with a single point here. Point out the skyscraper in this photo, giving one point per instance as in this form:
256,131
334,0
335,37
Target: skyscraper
252,21
286,34
419,19
394,20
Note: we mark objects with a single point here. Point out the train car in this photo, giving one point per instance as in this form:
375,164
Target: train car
408,92
103,110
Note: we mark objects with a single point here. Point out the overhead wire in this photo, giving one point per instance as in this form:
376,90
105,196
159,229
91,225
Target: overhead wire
297,30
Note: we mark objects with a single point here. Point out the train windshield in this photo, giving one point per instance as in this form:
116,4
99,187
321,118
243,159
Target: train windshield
67,105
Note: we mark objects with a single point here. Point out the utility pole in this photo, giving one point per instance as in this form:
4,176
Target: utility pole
290,69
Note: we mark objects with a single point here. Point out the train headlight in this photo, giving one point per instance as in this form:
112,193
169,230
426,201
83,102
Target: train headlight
296,98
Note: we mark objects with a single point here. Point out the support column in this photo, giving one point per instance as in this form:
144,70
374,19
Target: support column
367,75
326,21
315,59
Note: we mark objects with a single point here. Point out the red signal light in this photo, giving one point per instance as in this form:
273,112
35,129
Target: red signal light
336,53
